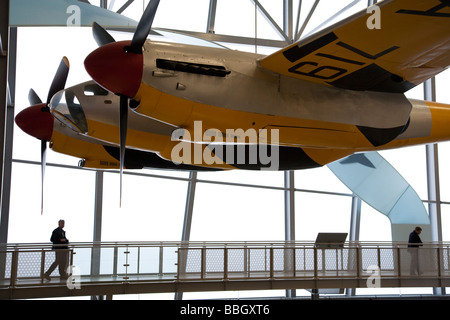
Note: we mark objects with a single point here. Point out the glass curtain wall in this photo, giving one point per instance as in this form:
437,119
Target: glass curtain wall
229,206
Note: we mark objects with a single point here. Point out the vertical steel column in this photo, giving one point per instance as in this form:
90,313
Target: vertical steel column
186,233
434,206
355,222
289,206
98,211
98,206
9,124
433,173
4,52
211,16
289,217
288,19
97,232
355,218
7,53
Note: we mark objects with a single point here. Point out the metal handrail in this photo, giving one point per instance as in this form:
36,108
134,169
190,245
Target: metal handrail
187,261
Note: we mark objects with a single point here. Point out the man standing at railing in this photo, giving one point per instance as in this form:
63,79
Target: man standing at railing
414,243
60,242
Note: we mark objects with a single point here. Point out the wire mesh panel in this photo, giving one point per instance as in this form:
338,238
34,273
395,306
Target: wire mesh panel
369,257
189,263
236,266
386,259
214,262
258,262
6,261
29,264
334,262
304,262
445,261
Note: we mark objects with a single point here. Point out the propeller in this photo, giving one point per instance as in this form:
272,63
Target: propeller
33,98
101,36
118,68
143,27
37,120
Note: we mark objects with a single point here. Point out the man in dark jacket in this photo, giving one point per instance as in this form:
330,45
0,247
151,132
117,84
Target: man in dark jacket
60,242
414,243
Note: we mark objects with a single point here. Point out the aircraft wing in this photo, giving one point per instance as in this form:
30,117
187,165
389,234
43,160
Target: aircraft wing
411,45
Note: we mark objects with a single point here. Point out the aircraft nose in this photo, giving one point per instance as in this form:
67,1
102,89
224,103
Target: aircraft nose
37,121
115,69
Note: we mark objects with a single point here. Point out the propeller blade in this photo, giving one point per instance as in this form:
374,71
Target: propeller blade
123,114
33,98
43,164
59,81
101,36
143,28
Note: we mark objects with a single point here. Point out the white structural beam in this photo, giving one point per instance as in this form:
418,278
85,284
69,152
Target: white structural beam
433,173
289,206
8,40
355,219
289,216
98,206
188,212
211,16
432,157
355,222
288,22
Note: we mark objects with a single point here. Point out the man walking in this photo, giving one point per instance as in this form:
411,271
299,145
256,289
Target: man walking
60,242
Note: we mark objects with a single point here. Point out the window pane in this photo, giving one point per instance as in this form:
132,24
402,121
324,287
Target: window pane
152,208
444,170
321,179
68,195
445,218
315,213
375,226
229,213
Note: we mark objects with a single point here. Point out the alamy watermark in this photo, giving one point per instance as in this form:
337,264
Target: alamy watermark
374,280
74,19
374,21
74,280
233,147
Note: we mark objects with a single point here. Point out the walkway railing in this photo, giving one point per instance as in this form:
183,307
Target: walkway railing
297,260
118,262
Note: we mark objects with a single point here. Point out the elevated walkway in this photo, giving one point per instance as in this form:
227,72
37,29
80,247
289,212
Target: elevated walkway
108,269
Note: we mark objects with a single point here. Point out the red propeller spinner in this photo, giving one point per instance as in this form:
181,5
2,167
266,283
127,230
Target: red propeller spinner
37,121
116,69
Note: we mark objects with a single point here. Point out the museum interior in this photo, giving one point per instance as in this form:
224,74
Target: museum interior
158,233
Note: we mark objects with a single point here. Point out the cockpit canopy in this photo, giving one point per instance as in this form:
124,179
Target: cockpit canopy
66,108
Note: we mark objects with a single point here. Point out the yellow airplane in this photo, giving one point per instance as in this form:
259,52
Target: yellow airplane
333,94
82,121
